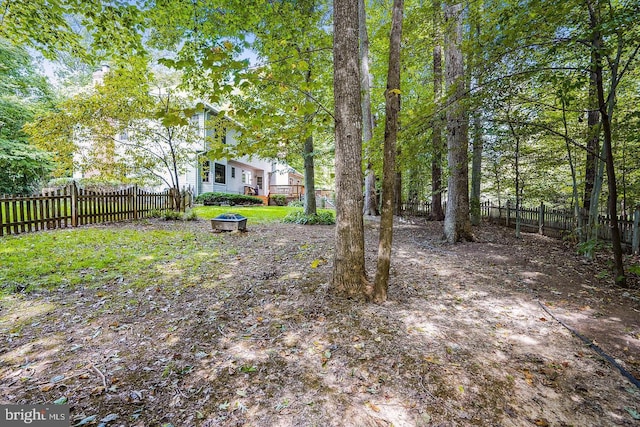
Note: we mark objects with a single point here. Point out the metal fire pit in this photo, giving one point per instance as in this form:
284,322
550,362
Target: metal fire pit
229,222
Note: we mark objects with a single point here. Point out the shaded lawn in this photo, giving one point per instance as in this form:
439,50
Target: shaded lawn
175,325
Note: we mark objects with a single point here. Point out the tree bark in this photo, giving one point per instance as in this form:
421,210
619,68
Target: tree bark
476,170
309,178
593,141
348,275
605,118
457,226
392,109
370,194
437,142
309,163
476,161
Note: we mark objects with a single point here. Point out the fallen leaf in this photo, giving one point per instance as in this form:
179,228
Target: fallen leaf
542,319
434,360
46,387
97,390
60,401
541,422
527,376
373,407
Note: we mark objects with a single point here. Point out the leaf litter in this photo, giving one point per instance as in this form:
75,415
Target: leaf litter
257,338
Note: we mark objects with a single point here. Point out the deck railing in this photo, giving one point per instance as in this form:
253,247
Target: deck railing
287,190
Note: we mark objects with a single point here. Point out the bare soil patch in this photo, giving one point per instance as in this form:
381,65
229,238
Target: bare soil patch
260,340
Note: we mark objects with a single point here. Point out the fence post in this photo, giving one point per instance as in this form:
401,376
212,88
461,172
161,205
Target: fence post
134,200
541,219
1,220
74,204
635,245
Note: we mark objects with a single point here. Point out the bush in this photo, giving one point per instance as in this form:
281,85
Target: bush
190,215
322,218
278,199
155,213
172,215
296,204
217,199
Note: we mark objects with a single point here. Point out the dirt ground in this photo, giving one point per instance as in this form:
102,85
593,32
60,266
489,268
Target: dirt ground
259,339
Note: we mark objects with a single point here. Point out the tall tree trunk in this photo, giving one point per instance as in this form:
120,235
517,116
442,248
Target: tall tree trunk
309,178
392,108
437,142
476,161
370,193
593,140
309,164
516,165
574,180
606,110
476,170
457,226
348,275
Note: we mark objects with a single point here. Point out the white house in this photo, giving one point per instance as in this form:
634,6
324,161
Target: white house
244,175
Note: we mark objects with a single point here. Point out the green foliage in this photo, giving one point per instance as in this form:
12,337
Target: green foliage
296,204
190,215
115,27
634,269
278,199
321,218
155,213
169,215
592,246
23,94
216,199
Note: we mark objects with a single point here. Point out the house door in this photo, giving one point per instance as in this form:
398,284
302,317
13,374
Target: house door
259,182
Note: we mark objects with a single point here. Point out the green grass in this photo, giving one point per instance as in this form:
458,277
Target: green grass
96,256
255,214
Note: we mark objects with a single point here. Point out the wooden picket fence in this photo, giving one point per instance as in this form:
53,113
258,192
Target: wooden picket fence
546,221
72,207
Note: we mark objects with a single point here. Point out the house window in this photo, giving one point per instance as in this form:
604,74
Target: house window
233,172
246,177
206,171
221,173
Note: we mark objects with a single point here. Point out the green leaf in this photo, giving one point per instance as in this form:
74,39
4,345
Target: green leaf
634,413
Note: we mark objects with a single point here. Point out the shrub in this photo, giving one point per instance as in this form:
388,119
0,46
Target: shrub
216,199
169,215
278,199
322,218
296,203
190,215
155,213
